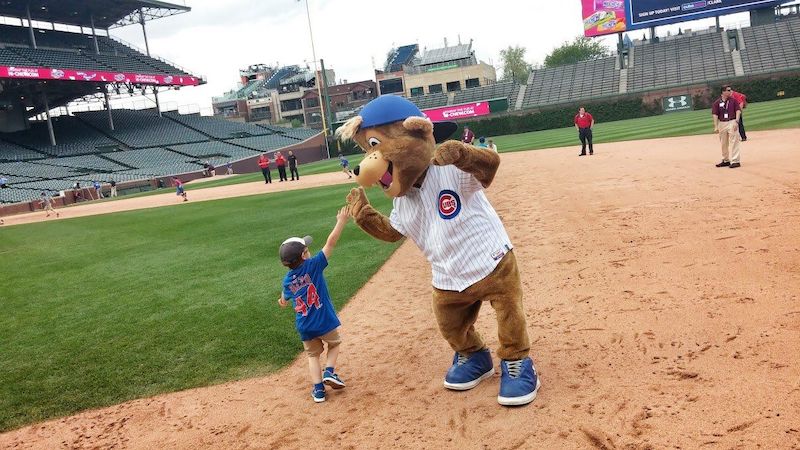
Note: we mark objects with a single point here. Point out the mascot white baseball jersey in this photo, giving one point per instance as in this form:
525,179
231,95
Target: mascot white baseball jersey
452,222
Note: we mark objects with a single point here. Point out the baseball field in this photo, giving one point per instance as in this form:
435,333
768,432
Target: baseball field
662,297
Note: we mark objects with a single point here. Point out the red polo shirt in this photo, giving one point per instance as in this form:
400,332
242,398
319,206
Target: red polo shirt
741,98
585,121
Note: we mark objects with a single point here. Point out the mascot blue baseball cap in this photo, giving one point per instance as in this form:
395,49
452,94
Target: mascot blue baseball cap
393,108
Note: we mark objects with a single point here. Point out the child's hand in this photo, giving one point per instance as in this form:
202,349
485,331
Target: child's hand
342,215
282,301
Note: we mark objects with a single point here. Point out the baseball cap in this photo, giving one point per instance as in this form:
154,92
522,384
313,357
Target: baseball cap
292,248
390,108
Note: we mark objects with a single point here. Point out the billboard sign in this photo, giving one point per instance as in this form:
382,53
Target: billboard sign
603,17
613,16
651,13
677,103
456,112
44,73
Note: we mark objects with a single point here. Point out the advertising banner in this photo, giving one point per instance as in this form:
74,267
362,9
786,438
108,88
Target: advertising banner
44,73
651,13
603,17
677,103
455,112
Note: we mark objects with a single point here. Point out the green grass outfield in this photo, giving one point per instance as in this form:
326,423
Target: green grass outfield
98,310
758,116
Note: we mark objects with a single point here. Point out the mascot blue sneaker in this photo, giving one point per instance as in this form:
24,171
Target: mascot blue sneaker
519,382
467,371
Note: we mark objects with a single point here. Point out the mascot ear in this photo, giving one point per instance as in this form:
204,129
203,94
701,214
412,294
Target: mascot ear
418,125
349,129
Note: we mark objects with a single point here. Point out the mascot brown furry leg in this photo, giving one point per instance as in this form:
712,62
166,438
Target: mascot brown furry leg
439,203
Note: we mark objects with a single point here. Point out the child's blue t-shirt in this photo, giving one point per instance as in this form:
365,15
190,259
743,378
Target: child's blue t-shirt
344,162
307,289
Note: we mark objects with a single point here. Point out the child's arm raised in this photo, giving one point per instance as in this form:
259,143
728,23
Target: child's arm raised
341,220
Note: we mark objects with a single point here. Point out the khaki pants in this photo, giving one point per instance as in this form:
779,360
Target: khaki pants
456,312
314,348
730,141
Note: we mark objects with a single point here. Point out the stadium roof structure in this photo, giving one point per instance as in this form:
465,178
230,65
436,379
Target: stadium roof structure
438,55
104,13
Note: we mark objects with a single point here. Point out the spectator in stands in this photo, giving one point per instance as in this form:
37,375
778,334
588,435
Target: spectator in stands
113,188
491,146
584,123
742,99
482,142
293,166
263,163
229,168
47,204
726,112
345,166
179,191
280,161
98,189
468,136
3,182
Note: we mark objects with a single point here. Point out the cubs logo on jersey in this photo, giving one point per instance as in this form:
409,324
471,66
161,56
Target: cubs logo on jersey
449,204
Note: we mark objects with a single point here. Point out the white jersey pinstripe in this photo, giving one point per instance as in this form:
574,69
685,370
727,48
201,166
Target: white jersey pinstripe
452,222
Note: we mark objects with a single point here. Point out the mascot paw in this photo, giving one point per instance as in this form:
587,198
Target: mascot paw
447,153
356,201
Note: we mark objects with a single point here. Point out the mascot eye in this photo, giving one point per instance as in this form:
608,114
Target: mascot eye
373,142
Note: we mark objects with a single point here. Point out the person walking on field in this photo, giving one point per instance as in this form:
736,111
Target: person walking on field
742,99
47,205
726,112
305,287
293,166
280,161
263,163
584,123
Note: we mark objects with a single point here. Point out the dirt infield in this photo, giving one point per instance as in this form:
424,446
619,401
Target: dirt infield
663,303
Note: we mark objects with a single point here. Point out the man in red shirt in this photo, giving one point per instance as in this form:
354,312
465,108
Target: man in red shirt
584,123
726,112
280,161
742,99
263,163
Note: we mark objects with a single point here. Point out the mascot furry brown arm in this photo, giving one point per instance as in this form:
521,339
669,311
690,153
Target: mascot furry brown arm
439,203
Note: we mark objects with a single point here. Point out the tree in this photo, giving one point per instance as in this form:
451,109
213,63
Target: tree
514,65
581,49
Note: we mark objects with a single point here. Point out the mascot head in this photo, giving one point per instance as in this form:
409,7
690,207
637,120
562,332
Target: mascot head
399,141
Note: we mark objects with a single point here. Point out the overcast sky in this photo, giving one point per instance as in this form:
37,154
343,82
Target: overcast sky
217,37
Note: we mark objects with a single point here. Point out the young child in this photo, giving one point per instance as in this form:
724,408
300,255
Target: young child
179,191
345,166
316,319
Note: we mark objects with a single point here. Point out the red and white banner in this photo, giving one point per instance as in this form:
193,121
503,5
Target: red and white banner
44,73
448,113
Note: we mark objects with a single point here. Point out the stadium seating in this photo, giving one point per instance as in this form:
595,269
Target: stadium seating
430,101
217,128
214,149
681,61
771,47
65,50
264,143
586,79
13,152
73,138
140,129
503,89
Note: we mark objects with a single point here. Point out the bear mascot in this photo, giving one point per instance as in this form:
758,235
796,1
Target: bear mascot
438,201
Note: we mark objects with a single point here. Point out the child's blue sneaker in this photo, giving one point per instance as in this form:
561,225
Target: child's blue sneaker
518,382
467,371
332,380
318,394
